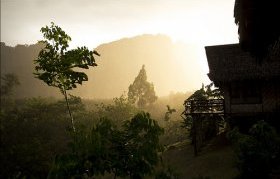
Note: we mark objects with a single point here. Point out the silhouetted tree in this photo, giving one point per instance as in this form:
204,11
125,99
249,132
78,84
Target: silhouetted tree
8,82
258,25
206,92
55,64
141,91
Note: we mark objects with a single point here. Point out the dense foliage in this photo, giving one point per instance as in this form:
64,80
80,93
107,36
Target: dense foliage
258,152
206,92
32,133
36,139
132,151
55,65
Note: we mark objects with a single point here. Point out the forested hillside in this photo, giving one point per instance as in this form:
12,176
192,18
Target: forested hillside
118,65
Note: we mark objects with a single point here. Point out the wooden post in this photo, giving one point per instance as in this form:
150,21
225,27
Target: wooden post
194,129
195,137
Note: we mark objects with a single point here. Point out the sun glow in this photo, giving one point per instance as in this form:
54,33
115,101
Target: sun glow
195,23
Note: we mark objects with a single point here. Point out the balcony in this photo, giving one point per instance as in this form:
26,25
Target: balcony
211,106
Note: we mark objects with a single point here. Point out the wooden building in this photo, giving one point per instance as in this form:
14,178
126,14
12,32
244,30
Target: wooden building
251,87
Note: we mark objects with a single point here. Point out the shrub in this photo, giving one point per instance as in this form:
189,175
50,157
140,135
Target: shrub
130,151
258,151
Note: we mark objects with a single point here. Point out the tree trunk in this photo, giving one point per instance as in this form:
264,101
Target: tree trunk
69,111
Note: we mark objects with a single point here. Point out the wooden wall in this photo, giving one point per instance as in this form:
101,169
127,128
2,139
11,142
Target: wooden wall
271,96
270,99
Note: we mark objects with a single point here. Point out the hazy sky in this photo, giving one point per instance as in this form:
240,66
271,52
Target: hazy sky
93,22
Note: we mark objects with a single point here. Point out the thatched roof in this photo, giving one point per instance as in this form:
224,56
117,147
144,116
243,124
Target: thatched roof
229,63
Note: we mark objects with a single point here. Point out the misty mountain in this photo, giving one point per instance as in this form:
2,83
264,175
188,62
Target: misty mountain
19,61
170,67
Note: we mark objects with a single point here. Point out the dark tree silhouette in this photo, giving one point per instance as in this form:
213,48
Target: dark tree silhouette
55,65
258,25
141,91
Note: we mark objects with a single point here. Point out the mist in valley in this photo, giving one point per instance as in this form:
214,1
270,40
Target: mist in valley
172,67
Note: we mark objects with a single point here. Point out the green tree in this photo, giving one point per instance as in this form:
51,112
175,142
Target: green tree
55,64
141,145
132,151
141,91
206,92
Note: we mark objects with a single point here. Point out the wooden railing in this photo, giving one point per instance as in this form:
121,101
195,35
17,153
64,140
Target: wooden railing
198,108
211,106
